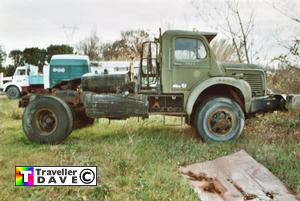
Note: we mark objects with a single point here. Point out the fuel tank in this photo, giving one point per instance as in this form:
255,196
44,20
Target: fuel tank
115,106
107,83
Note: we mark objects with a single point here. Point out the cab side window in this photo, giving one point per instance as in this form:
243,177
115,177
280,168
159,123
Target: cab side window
189,49
21,72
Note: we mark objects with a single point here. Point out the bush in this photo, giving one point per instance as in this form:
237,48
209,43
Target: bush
284,80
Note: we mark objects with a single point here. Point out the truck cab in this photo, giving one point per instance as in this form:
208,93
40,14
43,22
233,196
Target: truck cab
66,67
187,69
24,77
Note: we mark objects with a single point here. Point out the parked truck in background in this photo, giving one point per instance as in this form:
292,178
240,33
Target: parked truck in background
3,80
178,76
27,78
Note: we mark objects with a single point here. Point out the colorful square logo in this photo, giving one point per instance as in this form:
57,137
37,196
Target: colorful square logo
24,176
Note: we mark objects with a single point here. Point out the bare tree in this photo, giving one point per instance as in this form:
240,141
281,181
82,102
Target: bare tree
90,46
129,45
288,9
226,17
224,50
133,40
291,59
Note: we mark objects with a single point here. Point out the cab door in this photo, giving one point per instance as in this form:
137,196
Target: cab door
21,77
190,63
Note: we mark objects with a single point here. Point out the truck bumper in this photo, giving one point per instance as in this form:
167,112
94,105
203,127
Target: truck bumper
268,104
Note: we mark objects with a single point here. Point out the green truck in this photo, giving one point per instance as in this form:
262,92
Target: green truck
178,76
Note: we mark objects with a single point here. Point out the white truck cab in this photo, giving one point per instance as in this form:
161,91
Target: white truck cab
3,80
23,77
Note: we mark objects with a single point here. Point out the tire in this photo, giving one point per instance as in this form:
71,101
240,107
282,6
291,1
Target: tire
47,120
81,120
13,92
219,119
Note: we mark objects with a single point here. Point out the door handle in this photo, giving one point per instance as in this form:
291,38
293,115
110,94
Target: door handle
170,59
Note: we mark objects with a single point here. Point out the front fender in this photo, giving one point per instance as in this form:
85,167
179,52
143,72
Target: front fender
8,84
241,85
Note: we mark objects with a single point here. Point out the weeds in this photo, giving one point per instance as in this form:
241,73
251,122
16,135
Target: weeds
139,160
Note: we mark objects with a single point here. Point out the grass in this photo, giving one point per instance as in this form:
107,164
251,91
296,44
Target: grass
139,160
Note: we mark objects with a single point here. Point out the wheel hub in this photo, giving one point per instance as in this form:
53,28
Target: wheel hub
46,121
220,122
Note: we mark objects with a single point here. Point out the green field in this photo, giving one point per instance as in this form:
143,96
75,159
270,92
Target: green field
139,160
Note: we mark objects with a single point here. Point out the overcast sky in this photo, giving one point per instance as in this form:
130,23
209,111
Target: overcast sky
31,23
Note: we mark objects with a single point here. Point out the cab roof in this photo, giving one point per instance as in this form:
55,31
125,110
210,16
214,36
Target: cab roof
69,60
208,35
70,56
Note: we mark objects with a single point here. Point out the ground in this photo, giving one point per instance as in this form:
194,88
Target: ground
139,160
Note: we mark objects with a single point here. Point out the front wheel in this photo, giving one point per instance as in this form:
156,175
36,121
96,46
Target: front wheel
219,119
47,119
13,92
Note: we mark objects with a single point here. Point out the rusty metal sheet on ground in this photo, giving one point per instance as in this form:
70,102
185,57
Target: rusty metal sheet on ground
236,177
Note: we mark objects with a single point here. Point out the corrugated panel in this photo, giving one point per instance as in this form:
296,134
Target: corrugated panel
256,83
254,78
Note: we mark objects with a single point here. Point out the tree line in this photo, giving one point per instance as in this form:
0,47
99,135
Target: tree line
129,45
33,55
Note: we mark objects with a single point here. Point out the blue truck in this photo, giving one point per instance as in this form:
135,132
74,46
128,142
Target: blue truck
27,79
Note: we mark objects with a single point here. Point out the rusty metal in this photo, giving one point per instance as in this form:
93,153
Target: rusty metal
152,74
166,103
236,97
115,106
73,98
107,83
46,121
221,121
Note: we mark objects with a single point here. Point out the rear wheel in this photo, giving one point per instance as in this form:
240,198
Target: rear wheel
219,119
47,119
13,92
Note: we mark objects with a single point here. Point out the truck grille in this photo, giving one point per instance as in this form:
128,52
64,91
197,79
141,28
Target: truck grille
256,83
255,78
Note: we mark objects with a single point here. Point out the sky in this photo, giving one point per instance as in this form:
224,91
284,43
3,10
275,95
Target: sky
39,23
